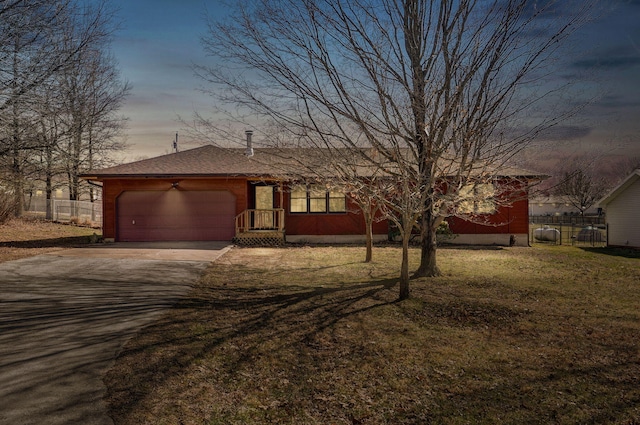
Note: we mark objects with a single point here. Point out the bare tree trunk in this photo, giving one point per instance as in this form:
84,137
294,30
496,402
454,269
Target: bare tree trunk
368,220
48,200
428,242
90,164
16,164
404,268
18,184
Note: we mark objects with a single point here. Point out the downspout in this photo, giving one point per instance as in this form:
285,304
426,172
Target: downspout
92,183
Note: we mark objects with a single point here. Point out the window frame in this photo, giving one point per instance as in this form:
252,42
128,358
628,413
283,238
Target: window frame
294,189
474,206
310,191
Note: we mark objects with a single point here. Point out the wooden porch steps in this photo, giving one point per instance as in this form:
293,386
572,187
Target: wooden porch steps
260,228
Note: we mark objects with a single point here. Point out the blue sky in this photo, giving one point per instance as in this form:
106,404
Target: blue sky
157,44
159,40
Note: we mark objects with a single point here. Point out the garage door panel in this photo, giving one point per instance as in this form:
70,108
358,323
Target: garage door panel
175,215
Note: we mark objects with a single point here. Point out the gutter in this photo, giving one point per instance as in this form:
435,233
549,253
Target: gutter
92,183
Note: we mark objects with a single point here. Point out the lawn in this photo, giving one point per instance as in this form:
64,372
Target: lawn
314,336
21,238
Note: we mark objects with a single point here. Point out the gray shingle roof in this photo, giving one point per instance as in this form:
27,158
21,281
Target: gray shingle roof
211,160
203,161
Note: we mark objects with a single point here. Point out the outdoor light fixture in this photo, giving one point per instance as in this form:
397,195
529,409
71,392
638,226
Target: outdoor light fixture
174,185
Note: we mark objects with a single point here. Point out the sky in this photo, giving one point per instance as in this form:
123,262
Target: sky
159,41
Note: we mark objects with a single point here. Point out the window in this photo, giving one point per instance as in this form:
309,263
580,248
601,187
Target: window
477,199
337,202
316,199
299,199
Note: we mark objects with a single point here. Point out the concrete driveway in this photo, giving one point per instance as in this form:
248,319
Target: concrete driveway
65,316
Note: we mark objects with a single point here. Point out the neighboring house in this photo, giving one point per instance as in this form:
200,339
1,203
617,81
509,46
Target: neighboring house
621,206
555,206
213,193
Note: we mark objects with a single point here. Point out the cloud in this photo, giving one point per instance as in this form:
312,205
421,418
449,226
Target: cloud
565,133
609,63
617,102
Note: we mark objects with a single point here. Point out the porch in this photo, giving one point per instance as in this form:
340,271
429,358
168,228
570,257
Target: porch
260,227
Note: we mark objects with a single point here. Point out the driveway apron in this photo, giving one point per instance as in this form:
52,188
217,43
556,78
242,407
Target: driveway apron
65,317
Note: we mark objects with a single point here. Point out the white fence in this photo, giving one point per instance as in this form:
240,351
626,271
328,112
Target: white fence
63,210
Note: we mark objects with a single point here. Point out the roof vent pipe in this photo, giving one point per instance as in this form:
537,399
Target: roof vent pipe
249,151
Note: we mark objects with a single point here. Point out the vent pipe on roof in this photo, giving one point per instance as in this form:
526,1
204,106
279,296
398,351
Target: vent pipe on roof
249,151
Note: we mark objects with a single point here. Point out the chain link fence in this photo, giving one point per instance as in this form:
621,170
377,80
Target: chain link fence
593,235
575,219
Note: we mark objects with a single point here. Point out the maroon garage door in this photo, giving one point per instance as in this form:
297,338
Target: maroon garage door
175,215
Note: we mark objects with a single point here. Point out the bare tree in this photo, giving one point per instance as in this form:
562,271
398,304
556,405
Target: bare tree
92,92
26,30
338,170
581,188
50,131
443,93
365,192
629,165
39,42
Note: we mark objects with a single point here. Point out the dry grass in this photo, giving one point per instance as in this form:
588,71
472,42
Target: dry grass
25,238
314,336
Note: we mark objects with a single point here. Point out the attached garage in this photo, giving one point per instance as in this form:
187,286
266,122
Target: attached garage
175,215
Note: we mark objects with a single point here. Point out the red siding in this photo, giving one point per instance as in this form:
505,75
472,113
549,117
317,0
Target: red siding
511,219
506,220
349,223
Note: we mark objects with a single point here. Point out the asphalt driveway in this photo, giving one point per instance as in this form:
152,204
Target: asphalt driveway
65,316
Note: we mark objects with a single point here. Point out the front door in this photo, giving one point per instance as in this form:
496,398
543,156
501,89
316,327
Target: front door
263,218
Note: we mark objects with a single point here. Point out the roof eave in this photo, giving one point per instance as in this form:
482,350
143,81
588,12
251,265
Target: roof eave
621,187
171,176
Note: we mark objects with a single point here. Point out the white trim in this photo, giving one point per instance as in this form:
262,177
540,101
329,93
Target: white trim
620,188
465,239
522,239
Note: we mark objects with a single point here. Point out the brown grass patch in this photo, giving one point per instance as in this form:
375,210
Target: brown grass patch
21,238
315,336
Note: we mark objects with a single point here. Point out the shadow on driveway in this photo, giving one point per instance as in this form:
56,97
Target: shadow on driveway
63,319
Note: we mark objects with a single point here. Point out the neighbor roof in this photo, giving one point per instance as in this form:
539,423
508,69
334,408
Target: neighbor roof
631,179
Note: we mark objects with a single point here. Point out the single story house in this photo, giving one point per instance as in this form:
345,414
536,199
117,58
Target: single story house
214,193
621,206
553,205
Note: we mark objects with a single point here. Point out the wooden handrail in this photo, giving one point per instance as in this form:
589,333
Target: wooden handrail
251,220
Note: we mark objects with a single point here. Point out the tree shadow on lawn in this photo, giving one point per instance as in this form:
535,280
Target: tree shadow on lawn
563,392
237,334
48,243
453,246
616,252
245,317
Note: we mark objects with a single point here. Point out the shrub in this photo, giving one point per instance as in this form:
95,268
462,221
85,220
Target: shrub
443,232
6,207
